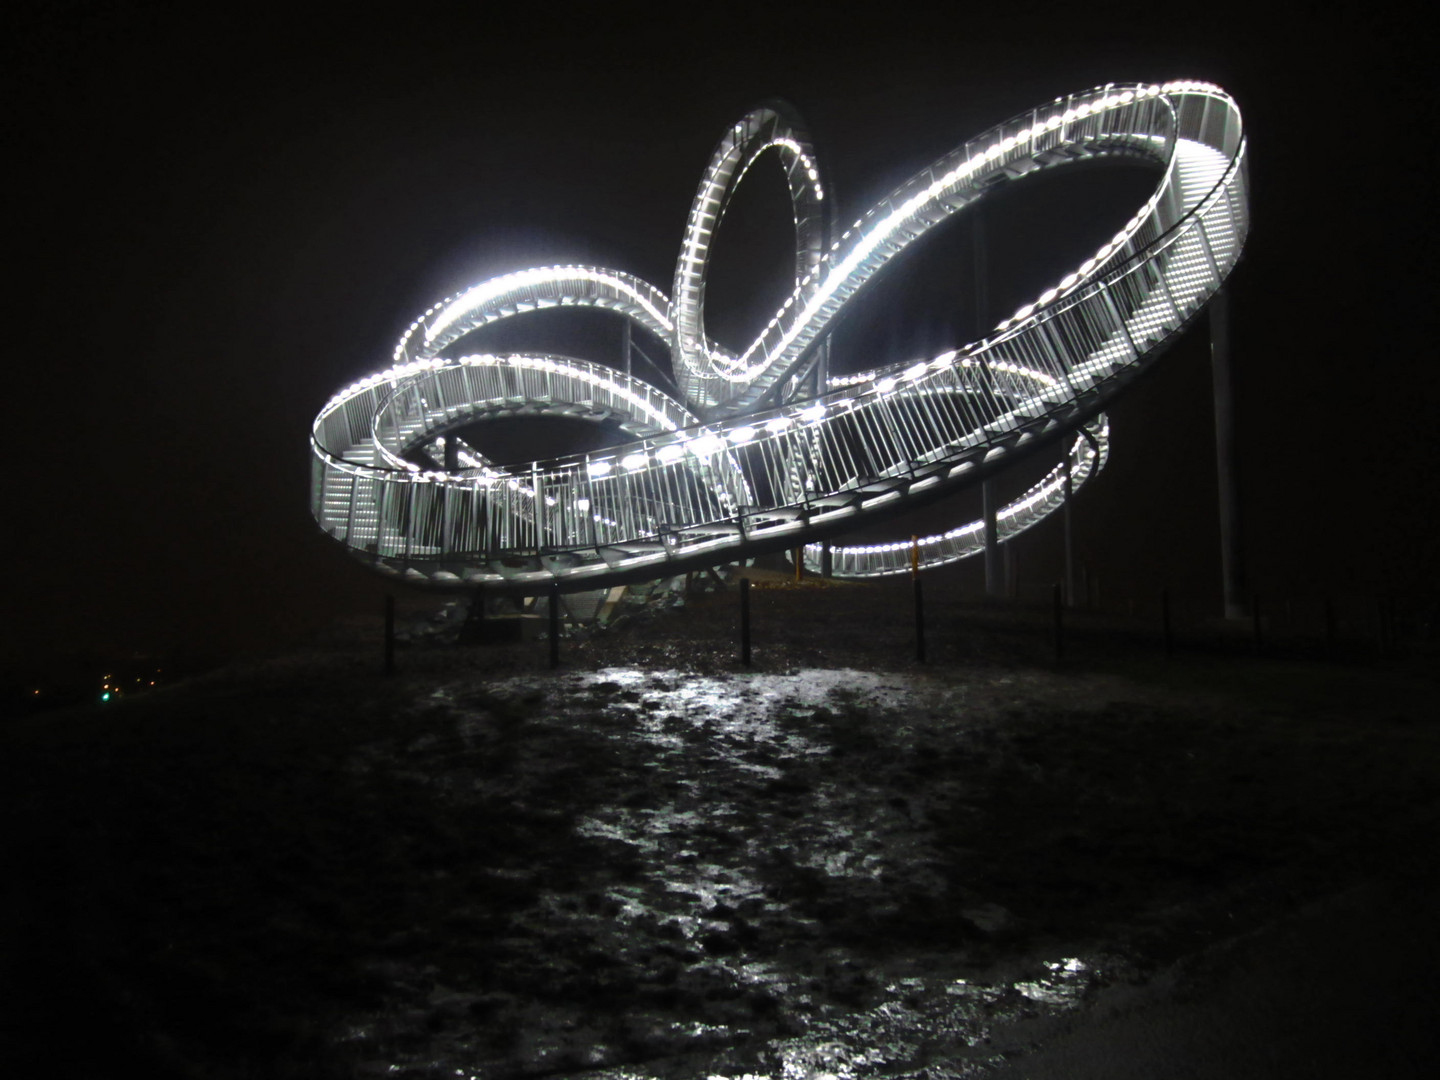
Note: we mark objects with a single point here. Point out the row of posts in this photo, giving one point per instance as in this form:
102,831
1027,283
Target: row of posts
745,651
1388,622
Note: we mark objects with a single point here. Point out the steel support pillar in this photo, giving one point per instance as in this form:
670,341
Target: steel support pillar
1232,567
994,577
625,343
982,278
994,572
1070,597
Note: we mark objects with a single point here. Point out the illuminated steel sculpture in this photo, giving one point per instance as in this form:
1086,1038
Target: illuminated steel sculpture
754,459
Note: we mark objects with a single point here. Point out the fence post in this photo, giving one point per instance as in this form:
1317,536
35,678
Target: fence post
554,624
1058,604
389,635
919,600
1070,597
745,621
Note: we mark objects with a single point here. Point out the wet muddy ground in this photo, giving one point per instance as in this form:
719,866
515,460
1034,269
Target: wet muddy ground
655,863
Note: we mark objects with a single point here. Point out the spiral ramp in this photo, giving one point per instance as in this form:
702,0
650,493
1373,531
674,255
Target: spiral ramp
744,464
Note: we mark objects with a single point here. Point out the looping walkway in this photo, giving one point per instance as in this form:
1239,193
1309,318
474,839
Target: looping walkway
744,464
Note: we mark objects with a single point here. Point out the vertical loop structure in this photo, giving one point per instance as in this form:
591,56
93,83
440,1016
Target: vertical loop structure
738,464
706,374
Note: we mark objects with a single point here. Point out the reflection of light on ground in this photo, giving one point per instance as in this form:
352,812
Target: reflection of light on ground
728,778
736,714
726,724
737,720
882,1042
1063,984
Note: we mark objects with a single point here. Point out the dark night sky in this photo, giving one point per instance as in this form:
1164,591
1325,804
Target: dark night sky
220,220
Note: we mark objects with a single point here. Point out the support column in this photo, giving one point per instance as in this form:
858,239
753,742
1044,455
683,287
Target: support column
982,272
1232,567
994,577
828,235
625,343
389,635
994,580
554,613
1070,597
474,631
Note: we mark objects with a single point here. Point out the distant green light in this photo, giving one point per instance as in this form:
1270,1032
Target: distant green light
105,696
